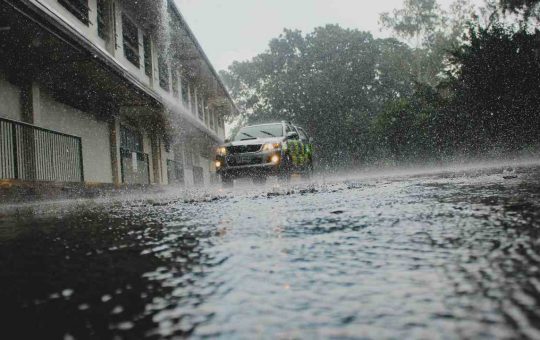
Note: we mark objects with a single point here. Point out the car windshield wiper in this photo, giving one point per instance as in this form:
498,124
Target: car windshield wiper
268,133
247,134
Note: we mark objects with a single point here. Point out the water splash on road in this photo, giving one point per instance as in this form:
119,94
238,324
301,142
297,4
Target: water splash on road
394,255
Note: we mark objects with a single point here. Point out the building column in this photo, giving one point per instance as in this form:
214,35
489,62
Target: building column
30,109
30,103
196,102
114,128
156,159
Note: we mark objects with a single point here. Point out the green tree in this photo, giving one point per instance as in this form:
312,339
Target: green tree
415,21
497,87
432,32
408,129
332,81
527,8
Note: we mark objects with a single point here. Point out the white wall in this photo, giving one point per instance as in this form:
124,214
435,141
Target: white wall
10,100
95,136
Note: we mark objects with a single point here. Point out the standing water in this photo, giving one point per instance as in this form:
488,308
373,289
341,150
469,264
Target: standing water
449,255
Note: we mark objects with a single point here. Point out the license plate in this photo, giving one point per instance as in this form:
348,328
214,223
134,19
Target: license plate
243,159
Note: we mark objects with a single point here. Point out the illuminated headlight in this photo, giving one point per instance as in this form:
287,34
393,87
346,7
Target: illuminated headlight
270,147
222,151
218,164
275,159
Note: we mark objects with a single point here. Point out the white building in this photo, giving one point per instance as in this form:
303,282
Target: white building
106,91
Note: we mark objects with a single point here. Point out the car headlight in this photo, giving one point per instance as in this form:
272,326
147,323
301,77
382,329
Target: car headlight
222,151
270,146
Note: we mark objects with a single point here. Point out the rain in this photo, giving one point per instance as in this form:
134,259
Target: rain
346,180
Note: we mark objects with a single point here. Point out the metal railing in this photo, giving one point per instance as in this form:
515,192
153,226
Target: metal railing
31,153
135,167
175,172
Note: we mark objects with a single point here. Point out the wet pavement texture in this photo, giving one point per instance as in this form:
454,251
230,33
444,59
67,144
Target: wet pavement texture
451,254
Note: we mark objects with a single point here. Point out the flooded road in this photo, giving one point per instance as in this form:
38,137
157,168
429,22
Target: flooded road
436,255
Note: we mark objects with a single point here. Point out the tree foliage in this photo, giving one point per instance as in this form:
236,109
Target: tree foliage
432,31
330,81
368,100
527,8
417,20
498,85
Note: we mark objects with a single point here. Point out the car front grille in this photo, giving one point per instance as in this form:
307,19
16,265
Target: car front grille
249,160
243,149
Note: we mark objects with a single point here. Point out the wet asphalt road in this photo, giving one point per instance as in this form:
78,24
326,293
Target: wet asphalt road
447,255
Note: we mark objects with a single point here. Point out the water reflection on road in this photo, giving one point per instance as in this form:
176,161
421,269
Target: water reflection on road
450,255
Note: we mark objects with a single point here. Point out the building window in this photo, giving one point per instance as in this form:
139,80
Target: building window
175,85
79,8
131,140
147,45
130,33
163,73
103,19
185,95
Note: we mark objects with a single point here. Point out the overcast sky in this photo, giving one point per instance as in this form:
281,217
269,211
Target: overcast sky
230,30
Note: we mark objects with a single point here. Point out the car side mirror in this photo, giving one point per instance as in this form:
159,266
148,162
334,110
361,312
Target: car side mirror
292,135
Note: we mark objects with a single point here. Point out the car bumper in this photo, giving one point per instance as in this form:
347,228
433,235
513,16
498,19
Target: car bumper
265,166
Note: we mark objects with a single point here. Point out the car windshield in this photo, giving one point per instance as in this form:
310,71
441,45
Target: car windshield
259,131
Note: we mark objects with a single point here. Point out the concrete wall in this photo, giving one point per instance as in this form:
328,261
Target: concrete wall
10,100
95,136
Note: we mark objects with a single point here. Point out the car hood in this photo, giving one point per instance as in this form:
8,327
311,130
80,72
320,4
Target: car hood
256,141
